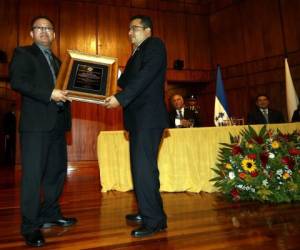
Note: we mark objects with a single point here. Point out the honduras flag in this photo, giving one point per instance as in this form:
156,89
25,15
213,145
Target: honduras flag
221,108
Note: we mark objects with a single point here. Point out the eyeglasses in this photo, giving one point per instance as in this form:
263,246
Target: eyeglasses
40,29
136,27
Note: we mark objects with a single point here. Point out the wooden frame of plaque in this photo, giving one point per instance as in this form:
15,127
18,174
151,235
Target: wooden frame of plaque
88,78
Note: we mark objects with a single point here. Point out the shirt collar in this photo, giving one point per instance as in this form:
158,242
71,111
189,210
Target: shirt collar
264,110
43,48
138,46
182,110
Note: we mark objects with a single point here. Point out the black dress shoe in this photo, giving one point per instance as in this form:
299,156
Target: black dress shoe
62,222
144,231
34,239
137,218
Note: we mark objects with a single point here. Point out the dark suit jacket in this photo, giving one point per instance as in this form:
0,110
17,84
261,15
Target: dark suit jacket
142,82
188,114
257,117
31,76
296,116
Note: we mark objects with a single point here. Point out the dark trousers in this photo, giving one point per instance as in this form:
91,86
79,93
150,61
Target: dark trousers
44,167
144,147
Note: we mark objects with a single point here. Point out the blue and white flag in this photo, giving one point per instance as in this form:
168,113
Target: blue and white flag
221,116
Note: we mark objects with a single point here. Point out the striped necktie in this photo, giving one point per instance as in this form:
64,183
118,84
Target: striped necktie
53,65
265,113
54,69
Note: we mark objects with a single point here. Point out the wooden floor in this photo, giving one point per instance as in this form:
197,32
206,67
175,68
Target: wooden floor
195,221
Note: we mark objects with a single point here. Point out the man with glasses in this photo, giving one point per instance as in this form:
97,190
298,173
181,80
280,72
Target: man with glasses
145,117
45,117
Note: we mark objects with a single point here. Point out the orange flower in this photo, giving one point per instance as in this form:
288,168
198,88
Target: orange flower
242,175
285,175
228,166
275,144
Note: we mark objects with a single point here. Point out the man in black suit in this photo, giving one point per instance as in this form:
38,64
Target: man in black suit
145,117
45,117
182,117
296,115
262,114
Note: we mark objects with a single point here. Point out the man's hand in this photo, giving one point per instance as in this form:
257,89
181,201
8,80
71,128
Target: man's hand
111,102
185,123
60,95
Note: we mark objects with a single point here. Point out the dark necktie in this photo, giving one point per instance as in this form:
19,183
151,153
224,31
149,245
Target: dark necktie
180,114
264,111
53,65
54,69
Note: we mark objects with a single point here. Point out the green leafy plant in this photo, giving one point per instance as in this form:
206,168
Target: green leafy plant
262,166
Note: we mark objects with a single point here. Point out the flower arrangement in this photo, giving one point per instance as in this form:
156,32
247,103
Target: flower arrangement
262,166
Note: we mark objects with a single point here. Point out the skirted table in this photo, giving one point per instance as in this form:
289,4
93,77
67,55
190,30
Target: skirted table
185,159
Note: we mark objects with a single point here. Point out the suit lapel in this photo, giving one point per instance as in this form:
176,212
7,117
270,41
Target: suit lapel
137,52
43,61
44,65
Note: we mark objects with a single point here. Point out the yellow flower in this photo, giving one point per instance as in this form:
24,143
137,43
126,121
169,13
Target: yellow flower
275,144
228,166
285,175
249,145
249,165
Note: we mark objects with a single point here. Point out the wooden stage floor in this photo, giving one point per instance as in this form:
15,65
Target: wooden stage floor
195,221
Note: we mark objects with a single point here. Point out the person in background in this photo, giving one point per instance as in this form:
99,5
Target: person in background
192,104
44,119
181,116
296,115
145,117
262,114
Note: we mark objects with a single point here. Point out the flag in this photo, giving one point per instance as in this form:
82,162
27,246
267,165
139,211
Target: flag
221,107
291,95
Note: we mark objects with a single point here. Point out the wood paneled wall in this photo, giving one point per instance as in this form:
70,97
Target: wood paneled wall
248,38
101,27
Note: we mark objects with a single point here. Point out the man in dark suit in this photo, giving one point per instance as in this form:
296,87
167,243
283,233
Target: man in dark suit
45,117
145,117
262,114
182,117
296,115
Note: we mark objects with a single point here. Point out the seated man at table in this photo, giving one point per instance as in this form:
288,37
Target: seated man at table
262,114
182,117
296,115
